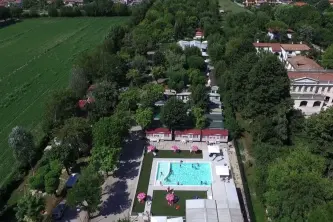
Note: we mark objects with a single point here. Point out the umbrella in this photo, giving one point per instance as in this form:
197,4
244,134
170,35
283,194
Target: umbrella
175,148
151,148
141,196
195,148
170,197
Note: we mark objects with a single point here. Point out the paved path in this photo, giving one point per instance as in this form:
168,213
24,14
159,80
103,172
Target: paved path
237,175
119,189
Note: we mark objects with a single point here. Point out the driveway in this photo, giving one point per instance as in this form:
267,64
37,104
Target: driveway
119,189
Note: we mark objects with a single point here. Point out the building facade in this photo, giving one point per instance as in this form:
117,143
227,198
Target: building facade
158,134
191,135
312,91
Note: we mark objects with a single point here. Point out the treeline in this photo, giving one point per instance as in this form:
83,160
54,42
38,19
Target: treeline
291,156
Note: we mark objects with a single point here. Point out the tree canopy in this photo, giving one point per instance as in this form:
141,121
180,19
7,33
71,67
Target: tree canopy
29,208
174,114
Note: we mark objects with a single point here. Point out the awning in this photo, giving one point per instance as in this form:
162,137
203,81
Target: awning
222,170
213,149
158,219
176,219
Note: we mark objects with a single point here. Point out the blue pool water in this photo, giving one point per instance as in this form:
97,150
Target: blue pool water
170,173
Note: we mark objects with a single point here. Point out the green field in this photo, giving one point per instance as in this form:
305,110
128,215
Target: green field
229,5
36,57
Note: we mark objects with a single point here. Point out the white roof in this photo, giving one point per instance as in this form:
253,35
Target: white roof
158,219
213,149
176,219
222,170
200,210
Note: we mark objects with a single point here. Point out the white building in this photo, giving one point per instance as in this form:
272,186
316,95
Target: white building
312,91
195,43
284,51
158,134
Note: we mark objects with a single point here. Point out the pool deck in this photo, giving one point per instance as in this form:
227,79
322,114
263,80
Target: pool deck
223,192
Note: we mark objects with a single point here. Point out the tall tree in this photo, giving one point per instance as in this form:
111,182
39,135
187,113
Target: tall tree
199,97
200,119
269,86
78,81
110,131
105,100
150,94
76,133
129,99
327,59
61,106
87,192
29,208
296,186
174,114
22,143
144,117
105,158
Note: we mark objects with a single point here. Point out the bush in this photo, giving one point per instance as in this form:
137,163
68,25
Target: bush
51,182
37,181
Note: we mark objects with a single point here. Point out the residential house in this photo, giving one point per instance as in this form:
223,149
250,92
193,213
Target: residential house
190,135
284,51
195,43
290,50
158,134
299,4
301,63
275,33
214,135
311,90
199,34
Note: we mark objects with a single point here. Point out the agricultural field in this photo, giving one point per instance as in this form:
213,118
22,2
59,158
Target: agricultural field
36,57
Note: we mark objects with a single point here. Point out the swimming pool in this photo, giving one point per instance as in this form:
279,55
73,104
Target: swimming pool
187,173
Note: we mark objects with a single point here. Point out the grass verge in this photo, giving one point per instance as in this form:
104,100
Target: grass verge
160,206
146,169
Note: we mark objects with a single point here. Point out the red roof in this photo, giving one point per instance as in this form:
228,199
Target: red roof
82,103
212,132
299,3
158,131
295,47
276,47
187,132
321,76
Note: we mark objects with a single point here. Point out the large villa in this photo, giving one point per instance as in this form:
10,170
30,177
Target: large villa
187,179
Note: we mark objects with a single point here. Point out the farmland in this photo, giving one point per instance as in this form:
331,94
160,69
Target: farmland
36,57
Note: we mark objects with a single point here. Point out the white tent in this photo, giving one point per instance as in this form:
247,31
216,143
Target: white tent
158,219
222,170
213,149
176,219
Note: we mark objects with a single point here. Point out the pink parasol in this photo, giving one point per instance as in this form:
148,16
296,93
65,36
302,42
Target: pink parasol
195,148
151,148
170,197
175,148
141,196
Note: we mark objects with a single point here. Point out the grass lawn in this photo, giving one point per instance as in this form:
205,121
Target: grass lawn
36,57
229,5
146,169
160,206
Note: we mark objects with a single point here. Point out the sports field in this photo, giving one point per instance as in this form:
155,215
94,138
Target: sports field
36,57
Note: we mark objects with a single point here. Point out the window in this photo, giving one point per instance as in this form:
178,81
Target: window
327,98
299,88
317,103
303,103
311,88
323,89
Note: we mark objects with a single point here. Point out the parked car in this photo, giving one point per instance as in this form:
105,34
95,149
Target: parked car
59,210
72,180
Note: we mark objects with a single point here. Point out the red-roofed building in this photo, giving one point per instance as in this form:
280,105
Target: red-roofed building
158,134
188,135
199,34
214,135
299,4
82,103
311,90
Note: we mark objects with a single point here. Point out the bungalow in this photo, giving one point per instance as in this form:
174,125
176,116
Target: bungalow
158,134
214,135
274,48
188,135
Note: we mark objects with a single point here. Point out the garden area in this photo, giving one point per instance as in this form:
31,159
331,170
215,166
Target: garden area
146,169
160,206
